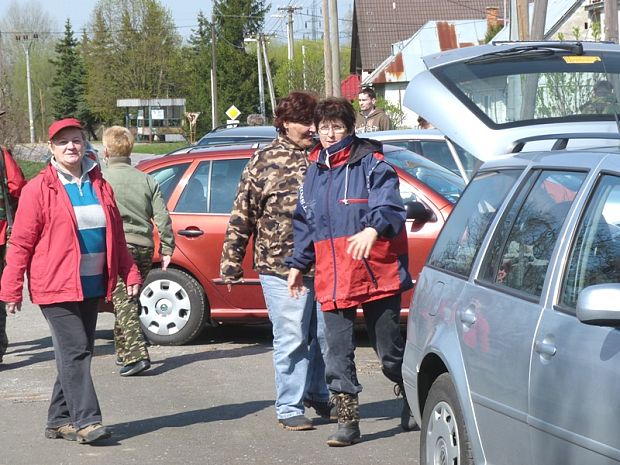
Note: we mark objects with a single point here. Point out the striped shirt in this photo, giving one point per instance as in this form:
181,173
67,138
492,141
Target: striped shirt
91,223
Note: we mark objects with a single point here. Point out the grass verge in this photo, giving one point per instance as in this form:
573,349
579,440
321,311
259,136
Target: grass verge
158,148
30,168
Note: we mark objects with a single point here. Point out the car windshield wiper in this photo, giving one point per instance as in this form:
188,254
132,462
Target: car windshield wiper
528,51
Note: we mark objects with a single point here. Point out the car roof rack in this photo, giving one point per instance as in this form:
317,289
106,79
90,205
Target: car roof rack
561,140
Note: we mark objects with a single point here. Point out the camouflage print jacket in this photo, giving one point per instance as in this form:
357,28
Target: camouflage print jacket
264,206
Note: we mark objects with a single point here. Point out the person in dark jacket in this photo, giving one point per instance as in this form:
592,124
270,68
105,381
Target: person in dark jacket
350,222
68,238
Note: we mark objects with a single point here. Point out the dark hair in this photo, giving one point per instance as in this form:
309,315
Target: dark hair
334,108
368,91
296,107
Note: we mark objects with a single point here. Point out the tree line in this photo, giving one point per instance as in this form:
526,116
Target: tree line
132,49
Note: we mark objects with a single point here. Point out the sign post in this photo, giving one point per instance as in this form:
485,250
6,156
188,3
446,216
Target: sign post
233,115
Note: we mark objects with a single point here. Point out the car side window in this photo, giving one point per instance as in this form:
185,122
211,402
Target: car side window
524,242
439,152
595,253
168,178
459,242
225,178
193,198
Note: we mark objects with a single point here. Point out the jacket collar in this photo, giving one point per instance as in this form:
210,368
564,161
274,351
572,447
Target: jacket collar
90,168
349,150
118,161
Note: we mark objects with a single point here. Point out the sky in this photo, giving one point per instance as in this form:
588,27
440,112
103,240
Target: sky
184,13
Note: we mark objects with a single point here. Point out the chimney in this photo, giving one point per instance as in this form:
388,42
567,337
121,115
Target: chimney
492,13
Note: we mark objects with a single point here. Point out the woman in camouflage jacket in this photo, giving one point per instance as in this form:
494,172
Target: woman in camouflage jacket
263,208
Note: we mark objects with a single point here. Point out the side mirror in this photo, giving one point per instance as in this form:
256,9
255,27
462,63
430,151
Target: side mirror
600,305
417,211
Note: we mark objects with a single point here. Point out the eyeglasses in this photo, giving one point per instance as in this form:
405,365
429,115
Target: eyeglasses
337,129
64,142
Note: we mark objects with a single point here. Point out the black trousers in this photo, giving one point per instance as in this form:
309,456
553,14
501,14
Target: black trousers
74,399
382,318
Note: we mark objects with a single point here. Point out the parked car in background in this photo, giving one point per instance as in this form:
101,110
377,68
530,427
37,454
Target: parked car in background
199,188
513,350
431,144
238,135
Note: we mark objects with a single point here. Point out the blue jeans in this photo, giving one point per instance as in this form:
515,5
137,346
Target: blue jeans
298,342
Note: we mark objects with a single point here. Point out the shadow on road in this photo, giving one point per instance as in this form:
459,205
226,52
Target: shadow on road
179,420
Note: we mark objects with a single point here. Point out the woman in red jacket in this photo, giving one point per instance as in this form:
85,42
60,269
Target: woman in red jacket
350,221
68,238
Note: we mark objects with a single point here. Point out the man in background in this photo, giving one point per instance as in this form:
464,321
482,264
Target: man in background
11,182
370,118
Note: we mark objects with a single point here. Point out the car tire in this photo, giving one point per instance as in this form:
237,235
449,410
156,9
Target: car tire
443,437
172,307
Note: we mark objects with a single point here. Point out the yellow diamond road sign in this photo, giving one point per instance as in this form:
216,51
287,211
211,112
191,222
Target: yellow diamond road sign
233,112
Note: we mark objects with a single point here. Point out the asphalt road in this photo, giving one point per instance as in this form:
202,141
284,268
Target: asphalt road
206,403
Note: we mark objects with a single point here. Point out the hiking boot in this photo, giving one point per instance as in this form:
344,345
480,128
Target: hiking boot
407,422
348,432
119,361
67,432
296,423
324,409
92,433
135,368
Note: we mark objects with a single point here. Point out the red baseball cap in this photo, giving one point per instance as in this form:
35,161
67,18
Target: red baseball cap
61,124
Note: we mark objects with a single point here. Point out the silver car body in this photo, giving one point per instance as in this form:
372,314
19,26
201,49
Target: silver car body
518,305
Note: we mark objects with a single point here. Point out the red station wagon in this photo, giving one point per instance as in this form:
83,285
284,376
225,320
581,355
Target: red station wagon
199,188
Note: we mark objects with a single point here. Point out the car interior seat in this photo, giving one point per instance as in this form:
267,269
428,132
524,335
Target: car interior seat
193,199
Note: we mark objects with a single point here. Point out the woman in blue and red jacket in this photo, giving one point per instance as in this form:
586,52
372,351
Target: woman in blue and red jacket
350,221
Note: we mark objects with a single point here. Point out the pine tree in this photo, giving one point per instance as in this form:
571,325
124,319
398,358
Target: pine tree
69,81
237,73
197,56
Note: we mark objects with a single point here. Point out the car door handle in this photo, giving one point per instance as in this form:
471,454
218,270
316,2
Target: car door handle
468,317
545,348
190,232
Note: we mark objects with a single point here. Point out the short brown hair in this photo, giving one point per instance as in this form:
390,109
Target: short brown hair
334,108
118,141
369,91
296,107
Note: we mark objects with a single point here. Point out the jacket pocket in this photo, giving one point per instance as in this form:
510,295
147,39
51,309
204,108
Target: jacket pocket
372,276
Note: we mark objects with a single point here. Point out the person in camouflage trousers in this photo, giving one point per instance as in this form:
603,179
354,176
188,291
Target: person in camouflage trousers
11,182
263,208
128,338
140,202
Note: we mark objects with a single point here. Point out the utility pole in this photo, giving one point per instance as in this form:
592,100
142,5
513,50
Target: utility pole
611,20
261,85
214,117
523,19
289,29
327,51
272,93
26,42
333,16
538,20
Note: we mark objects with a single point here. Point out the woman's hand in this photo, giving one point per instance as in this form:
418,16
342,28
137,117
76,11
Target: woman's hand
361,243
13,307
133,290
296,286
